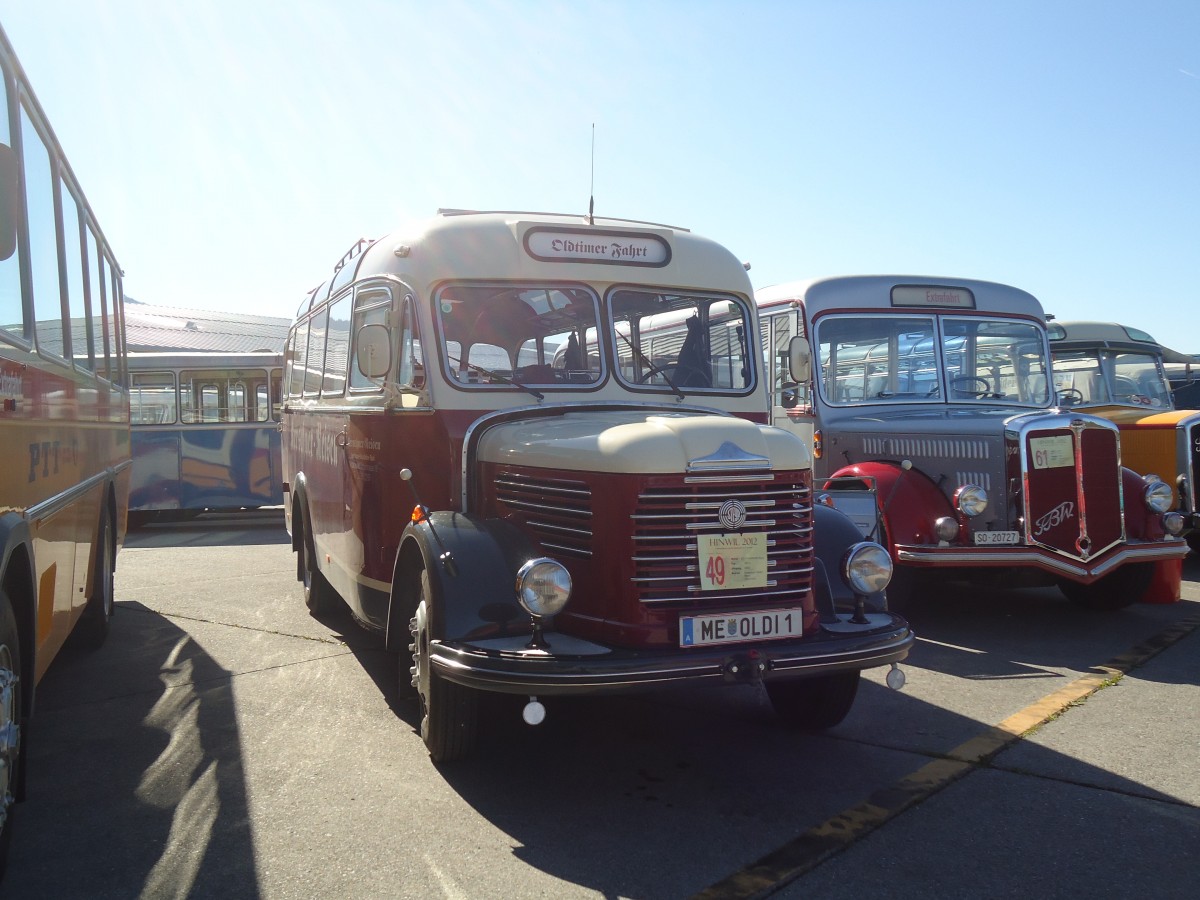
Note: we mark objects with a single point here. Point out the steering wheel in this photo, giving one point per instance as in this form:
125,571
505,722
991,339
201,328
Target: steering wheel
1070,396
981,387
654,370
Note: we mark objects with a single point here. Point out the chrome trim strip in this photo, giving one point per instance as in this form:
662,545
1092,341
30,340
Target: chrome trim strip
1175,548
62,500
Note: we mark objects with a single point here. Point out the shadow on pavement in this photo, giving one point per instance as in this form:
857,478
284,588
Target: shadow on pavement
148,795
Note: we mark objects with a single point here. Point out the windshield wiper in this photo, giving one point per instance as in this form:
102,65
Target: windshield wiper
506,379
651,369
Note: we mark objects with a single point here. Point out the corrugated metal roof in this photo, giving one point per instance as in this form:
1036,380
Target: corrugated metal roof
150,328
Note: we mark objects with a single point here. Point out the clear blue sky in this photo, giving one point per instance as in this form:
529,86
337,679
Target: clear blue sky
234,149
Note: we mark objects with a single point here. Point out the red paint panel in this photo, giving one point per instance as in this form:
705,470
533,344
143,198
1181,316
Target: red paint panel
1101,498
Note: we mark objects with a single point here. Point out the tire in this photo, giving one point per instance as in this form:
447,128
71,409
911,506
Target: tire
96,622
814,704
1117,590
10,722
319,595
449,711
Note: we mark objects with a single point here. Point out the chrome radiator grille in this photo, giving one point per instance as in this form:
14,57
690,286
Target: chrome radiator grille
557,512
668,518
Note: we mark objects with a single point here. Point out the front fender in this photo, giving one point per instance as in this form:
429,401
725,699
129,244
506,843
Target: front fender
834,534
472,565
909,501
1141,522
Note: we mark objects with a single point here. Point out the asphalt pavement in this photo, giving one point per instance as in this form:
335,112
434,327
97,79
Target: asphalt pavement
224,743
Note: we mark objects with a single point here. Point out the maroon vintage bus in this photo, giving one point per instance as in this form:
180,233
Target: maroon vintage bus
532,450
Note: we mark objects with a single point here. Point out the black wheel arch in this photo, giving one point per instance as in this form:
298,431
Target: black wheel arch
472,564
833,534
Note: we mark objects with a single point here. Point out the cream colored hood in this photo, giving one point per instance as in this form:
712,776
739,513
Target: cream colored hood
643,443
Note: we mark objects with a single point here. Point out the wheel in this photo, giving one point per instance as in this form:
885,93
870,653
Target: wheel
10,721
814,704
319,595
1070,397
96,621
449,711
1116,591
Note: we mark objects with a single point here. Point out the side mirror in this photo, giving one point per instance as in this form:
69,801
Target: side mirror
799,360
8,201
374,350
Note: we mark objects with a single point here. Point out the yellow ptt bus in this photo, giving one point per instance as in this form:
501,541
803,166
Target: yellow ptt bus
64,417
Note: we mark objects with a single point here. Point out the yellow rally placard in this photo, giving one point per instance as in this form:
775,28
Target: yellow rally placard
732,561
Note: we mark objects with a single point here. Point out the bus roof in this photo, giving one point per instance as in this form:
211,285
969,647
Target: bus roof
1085,334
540,246
857,292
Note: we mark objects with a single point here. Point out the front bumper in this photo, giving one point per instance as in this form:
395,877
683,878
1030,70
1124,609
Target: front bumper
571,666
1020,556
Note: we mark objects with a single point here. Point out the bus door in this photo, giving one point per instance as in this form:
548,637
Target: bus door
791,406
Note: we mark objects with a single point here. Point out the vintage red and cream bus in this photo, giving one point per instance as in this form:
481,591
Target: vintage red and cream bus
64,423
1119,373
486,461
937,428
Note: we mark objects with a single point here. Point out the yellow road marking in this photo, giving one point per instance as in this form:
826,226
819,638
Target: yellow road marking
816,845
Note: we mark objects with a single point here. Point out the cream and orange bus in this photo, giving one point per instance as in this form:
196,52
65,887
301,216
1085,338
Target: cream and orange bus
489,462
64,423
1119,373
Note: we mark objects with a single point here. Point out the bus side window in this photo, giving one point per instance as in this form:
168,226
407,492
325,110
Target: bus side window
337,349
299,361
43,249
152,399
316,354
412,361
375,314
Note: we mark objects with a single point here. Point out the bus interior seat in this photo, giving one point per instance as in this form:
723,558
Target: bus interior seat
535,374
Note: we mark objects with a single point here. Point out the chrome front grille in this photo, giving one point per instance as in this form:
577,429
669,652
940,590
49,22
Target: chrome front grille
668,518
557,512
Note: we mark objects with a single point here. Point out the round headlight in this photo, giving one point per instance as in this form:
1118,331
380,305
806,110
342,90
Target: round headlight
971,500
543,587
867,568
1158,494
945,528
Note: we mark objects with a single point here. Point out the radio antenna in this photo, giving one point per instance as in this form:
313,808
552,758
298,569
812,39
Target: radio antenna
591,219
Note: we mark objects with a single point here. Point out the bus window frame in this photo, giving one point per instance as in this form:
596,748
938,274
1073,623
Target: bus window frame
370,299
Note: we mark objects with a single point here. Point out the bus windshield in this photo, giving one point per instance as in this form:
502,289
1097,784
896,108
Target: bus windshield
1095,376
527,335
682,342
925,359
497,336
